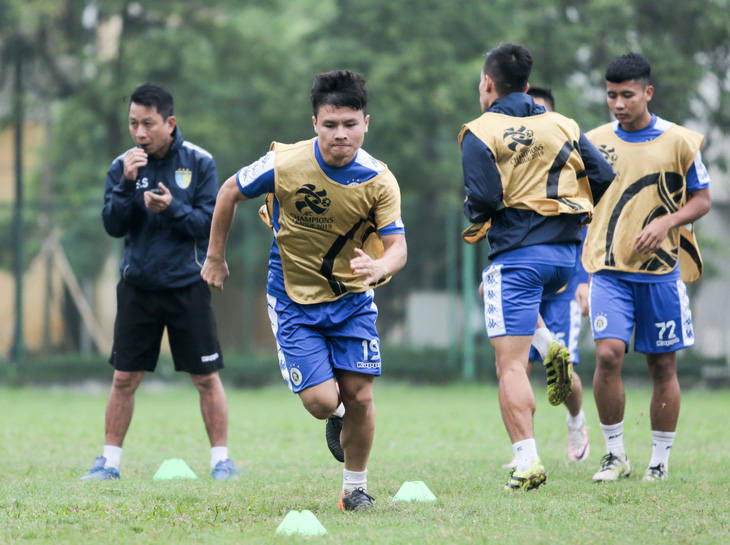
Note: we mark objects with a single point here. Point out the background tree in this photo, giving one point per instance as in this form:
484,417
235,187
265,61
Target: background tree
241,75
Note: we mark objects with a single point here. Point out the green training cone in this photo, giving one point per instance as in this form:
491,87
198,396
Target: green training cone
174,468
303,522
414,491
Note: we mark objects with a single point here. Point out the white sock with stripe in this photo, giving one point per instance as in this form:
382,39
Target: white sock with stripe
614,435
661,447
354,479
525,453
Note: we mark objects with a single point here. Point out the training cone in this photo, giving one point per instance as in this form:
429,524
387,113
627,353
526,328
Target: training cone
414,491
174,468
303,522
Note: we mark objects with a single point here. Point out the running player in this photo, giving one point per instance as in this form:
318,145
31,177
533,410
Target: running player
338,233
531,178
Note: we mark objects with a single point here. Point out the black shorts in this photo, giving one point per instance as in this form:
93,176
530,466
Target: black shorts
141,320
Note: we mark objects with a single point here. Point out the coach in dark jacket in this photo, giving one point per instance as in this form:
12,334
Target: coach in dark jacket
162,249
160,197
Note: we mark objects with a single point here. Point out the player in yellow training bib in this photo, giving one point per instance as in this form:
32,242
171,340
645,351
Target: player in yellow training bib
632,250
532,177
335,214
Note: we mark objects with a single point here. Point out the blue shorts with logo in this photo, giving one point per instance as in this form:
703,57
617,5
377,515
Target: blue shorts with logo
514,285
314,340
659,311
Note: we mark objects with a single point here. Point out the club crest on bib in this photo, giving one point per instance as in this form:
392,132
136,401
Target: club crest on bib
183,177
316,201
609,154
523,143
313,206
521,137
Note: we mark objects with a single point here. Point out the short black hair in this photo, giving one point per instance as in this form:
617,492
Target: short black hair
154,95
627,67
509,66
544,93
340,89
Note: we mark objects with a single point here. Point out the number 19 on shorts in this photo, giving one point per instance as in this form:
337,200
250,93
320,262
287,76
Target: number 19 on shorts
370,355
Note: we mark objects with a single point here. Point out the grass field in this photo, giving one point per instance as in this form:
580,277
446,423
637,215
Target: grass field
452,438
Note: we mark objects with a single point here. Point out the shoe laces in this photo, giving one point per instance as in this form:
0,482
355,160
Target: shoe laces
608,461
359,497
657,471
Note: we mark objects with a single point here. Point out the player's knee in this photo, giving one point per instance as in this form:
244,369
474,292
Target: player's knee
609,358
320,403
206,382
663,369
126,382
360,399
319,408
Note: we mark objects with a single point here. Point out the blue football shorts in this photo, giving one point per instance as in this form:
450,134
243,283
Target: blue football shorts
314,340
659,311
513,292
562,317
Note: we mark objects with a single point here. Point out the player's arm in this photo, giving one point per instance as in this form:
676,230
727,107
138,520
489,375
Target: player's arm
215,268
652,236
482,182
394,258
599,171
248,183
582,289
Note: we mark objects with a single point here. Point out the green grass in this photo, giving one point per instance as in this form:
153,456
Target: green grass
450,437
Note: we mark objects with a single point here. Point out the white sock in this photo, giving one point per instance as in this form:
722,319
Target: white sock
614,435
525,453
339,411
540,341
218,454
113,456
576,422
354,479
661,446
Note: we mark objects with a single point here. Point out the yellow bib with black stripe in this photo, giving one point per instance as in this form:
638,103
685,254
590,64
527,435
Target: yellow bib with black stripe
650,183
322,222
538,162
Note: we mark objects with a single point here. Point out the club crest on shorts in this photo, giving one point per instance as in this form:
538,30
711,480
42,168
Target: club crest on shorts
296,376
600,322
183,177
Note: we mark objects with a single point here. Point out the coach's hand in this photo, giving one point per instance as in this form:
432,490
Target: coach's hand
135,159
215,272
159,199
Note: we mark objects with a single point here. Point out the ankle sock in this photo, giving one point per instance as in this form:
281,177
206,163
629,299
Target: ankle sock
113,456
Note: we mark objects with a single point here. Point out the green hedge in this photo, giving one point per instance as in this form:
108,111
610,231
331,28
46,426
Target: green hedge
432,366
